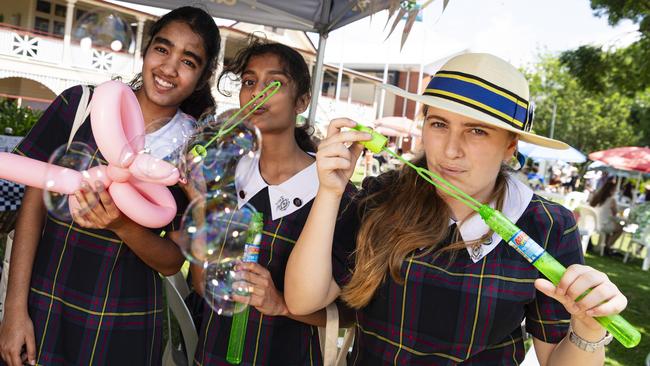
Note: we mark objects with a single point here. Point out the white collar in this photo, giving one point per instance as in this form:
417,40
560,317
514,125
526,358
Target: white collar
285,198
517,199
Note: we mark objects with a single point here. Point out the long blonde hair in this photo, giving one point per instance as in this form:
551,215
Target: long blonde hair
395,224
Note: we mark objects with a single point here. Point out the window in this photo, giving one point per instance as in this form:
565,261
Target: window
60,10
43,6
59,28
50,17
42,24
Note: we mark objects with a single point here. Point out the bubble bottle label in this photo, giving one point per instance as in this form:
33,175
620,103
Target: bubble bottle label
526,246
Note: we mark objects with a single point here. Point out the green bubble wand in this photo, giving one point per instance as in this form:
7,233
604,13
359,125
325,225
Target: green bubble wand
232,122
620,328
251,251
240,319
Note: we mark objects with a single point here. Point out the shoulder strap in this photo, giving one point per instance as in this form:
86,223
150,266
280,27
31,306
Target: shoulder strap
83,110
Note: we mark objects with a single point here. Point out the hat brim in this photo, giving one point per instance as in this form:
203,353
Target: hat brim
466,111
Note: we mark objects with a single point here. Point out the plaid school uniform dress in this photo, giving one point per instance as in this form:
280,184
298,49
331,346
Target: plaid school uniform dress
271,340
469,310
91,299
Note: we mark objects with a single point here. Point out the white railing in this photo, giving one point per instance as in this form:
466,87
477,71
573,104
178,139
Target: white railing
30,46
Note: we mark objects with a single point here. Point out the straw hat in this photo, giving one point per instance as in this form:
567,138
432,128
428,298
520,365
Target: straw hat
486,88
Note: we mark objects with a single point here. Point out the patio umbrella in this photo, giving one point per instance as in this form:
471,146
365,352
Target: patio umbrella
625,158
536,152
397,126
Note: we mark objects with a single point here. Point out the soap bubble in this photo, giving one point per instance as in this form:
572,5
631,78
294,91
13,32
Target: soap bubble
103,29
217,234
214,162
78,158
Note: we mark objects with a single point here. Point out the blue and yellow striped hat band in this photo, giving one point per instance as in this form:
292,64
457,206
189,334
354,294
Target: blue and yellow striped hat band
483,96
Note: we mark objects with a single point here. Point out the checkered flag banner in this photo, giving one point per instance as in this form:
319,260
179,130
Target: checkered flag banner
11,194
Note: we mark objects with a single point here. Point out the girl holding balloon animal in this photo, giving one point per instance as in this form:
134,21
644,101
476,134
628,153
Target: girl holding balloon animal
88,291
282,186
431,284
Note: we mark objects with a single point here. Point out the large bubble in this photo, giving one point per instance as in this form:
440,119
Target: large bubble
218,234
104,29
212,161
77,158
214,228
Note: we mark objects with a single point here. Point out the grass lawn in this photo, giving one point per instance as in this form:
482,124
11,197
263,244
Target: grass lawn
635,284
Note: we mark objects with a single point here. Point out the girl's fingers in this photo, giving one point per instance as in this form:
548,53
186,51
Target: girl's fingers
107,200
598,295
334,150
571,274
587,280
241,299
346,137
253,267
80,220
549,289
614,306
337,124
331,164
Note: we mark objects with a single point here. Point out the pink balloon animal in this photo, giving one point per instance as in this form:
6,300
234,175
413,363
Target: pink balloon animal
137,190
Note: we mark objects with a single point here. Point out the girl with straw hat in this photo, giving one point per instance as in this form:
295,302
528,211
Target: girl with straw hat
430,283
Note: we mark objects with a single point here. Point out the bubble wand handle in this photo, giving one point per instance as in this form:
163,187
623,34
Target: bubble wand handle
240,320
620,328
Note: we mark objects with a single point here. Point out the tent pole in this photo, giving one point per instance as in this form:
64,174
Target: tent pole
317,77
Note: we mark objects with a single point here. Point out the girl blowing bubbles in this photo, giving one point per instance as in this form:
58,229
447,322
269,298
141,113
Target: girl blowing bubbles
282,187
431,284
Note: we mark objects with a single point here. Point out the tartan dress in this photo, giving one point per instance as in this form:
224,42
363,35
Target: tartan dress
270,340
451,312
91,299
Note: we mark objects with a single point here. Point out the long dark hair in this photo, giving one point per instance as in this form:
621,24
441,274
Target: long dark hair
294,66
203,25
603,193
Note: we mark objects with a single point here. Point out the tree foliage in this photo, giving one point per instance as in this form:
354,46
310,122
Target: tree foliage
625,70
585,120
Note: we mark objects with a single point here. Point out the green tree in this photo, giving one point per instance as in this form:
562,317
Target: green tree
19,119
623,70
585,120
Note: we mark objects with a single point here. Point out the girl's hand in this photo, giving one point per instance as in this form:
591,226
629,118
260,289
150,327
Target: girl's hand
603,299
17,345
264,296
97,210
335,160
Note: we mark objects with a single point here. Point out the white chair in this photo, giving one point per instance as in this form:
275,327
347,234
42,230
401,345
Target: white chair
636,246
574,199
176,290
587,226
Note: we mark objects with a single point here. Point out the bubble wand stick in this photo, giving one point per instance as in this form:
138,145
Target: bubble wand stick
240,319
230,123
251,251
620,328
